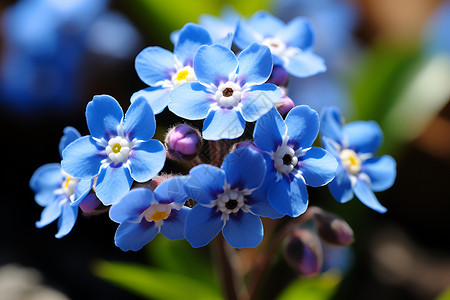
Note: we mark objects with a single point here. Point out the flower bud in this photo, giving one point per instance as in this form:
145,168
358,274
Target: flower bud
183,142
304,252
285,104
333,230
91,205
279,76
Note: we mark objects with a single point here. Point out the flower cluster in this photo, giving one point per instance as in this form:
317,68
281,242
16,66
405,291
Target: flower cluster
246,175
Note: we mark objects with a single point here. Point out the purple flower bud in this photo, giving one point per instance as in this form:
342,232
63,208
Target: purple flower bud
279,76
285,104
332,229
304,252
183,142
91,205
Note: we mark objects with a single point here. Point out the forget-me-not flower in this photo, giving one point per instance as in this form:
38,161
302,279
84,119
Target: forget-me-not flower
142,214
359,172
292,163
230,91
163,70
228,201
291,44
58,192
118,151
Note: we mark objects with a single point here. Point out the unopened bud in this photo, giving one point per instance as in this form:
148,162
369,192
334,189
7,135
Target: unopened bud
279,76
333,230
285,104
183,142
91,205
304,252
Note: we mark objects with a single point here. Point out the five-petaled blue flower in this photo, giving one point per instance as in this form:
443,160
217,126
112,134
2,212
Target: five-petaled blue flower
291,161
164,70
228,200
359,172
142,214
291,44
59,193
118,150
230,90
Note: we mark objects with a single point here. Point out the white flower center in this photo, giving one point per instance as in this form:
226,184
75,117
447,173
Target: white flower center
285,159
351,161
230,201
68,186
228,94
276,46
118,149
157,212
183,75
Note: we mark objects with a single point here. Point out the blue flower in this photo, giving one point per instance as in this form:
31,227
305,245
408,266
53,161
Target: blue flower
164,70
291,161
291,44
142,214
228,200
436,39
230,90
59,193
359,172
118,151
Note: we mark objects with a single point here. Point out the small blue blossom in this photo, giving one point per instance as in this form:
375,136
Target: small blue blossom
292,163
228,200
164,70
230,90
291,44
118,151
59,193
359,172
142,214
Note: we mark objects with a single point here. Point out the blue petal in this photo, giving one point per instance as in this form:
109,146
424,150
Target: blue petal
288,198
172,190
70,135
155,65
245,35
113,184
243,230
174,226
302,126
269,131
82,159
103,115
244,168
259,100
305,64
214,64
363,136
255,64
382,172
191,101
266,24
202,225
132,205
259,205
298,33
205,183
318,167
83,187
67,220
139,121
48,176
50,213
341,186
223,124
157,97
330,124
366,196
146,160
226,41
46,196
134,236
191,37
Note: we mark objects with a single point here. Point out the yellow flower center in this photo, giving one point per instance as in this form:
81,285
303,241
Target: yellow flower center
182,75
160,215
66,182
116,148
351,161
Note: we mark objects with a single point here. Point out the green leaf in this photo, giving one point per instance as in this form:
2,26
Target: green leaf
152,283
444,295
317,288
